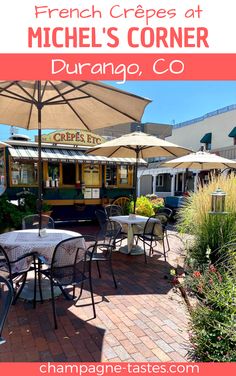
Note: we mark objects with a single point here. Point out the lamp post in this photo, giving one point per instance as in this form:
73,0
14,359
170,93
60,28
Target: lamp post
218,202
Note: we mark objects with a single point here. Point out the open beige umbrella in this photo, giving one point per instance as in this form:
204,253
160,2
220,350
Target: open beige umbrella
138,145
200,160
66,105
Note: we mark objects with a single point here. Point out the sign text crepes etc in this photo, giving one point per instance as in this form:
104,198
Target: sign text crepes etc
73,137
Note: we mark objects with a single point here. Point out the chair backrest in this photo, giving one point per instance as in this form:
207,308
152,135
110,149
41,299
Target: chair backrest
5,266
153,228
112,230
101,216
72,251
6,297
113,210
167,211
32,222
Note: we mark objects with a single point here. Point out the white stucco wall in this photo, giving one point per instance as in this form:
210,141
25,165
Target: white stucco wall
219,125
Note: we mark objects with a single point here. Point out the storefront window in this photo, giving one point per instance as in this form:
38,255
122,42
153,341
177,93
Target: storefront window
23,173
68,173
123,176
53,174
2,172
111,175
91,175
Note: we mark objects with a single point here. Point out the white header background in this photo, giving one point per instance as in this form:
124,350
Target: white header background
217,16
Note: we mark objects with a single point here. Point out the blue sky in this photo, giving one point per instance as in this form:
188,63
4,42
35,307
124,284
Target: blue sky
172,101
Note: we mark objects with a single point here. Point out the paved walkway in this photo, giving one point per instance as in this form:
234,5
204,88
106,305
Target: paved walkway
142,320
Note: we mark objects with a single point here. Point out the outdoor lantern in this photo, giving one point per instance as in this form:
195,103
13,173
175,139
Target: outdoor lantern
218,202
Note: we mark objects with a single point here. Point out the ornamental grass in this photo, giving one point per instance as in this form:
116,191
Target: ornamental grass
210,231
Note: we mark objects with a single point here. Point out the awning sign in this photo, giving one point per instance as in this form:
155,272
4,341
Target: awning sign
73,137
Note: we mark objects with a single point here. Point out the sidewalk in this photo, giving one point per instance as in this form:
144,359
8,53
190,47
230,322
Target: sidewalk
143,320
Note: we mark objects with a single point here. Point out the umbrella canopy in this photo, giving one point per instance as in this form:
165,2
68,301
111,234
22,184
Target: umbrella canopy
200,160
138,145
3,144
66,105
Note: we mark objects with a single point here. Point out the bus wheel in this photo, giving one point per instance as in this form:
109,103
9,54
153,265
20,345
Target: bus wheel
121,201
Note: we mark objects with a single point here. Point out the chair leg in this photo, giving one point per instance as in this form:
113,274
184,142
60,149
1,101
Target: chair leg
167,241
91,291
81,291
39,282
98,268
35,284
145,255
164,248
53,304
17,294
112,272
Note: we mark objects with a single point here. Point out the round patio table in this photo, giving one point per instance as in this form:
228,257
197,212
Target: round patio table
131,220
18,243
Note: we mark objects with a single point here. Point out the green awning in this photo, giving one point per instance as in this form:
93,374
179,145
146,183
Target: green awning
232,133
206,139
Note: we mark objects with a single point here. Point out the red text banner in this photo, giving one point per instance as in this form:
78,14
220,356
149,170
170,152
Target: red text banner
122,369
118,67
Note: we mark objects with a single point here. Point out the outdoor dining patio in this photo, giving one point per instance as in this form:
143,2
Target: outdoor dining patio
144,319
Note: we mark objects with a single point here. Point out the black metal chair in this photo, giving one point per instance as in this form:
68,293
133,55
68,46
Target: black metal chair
153,232
167,211
71,266
32,222
6,298
102,220
113,210
104,250
15,271
164,215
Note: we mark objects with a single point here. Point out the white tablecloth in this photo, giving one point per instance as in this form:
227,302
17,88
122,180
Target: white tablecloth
132,220
18,243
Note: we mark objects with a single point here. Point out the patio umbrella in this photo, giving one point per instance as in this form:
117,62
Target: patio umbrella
200,160
138,145
65,105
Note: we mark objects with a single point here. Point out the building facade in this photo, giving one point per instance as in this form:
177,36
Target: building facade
214,131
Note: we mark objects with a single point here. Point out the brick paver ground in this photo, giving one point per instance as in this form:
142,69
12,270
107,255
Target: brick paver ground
142,320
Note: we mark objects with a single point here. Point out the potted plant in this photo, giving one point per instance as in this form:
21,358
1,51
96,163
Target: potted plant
46,209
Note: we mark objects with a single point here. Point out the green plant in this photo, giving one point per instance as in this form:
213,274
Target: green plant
157,203
27,201
10,215
143,207
209,231
213,327
46,207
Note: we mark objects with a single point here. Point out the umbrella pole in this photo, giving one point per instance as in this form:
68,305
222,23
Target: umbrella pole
40,170
135,179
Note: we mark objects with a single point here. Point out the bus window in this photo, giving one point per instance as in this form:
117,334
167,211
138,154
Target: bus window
23,173
68,173
125,176
111,175
53,174
2,172
91,175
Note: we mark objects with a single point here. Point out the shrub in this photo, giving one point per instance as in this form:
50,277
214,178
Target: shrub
157,203
10,215
210,231
213,321
143,207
